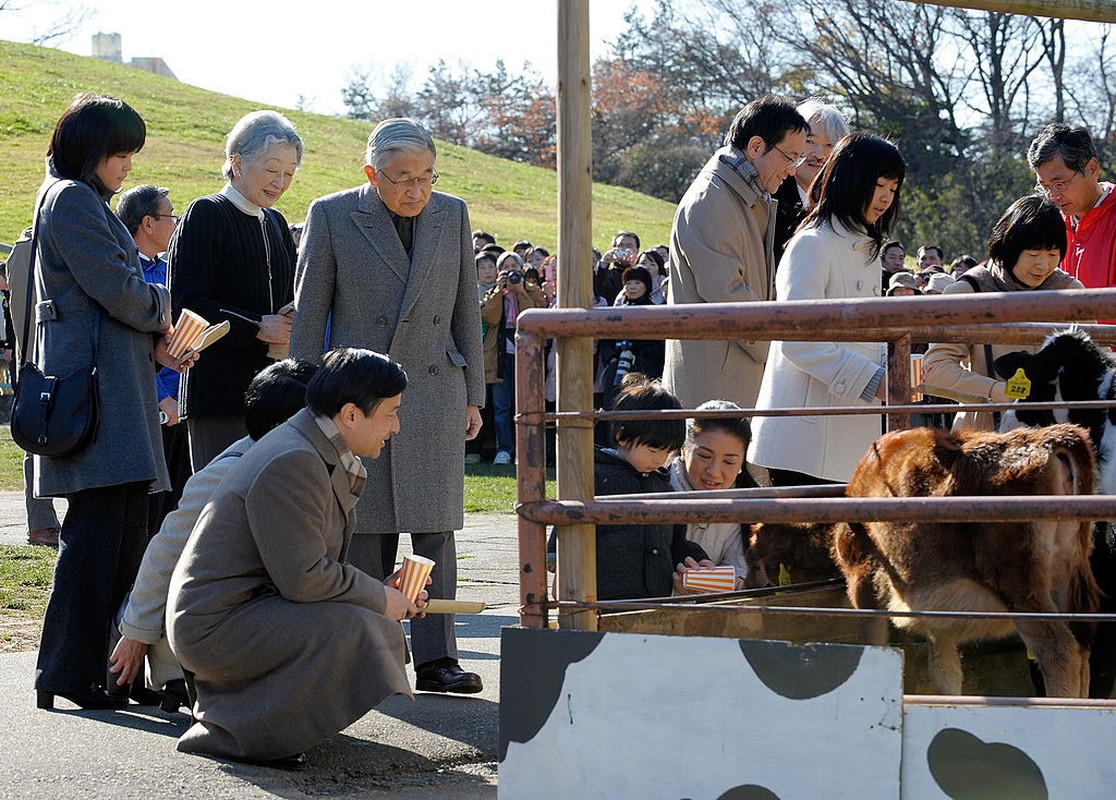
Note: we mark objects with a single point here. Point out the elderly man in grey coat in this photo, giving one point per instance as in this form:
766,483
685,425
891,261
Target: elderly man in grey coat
721,248
388,265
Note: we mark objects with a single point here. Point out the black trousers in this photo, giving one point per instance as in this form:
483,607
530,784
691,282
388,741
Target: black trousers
103,538
176,449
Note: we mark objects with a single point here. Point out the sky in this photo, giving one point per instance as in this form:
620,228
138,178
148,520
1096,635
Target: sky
307,52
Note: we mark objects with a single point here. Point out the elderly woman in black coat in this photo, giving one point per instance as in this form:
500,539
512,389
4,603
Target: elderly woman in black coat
232,258
94,306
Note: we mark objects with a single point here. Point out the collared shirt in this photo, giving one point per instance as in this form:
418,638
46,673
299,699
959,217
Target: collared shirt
241,202
349,462
167,380
405,227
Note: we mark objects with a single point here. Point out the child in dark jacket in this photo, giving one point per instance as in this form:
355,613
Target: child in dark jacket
635,560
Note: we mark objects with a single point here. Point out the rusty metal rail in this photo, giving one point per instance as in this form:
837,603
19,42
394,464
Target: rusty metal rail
1022,318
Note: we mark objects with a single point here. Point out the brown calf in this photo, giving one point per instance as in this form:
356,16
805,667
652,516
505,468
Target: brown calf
1040,566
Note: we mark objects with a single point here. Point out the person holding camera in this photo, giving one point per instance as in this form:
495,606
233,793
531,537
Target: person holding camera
499,310
608,281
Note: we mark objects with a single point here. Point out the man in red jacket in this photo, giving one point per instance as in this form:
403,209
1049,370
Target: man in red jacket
1064,159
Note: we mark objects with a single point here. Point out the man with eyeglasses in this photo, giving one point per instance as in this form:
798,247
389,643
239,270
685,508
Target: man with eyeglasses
1065,162
388,266
148,214
721,247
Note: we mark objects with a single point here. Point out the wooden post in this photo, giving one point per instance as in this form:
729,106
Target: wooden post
577,554
1089,10
899,381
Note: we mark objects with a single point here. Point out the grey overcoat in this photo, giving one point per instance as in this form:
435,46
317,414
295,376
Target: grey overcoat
87,261
421,311
720,252
288,643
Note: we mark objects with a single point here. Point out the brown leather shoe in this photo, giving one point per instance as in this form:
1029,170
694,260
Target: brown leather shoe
44,537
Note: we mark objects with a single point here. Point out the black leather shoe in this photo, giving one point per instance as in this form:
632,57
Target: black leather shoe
95,699
144,696
446,675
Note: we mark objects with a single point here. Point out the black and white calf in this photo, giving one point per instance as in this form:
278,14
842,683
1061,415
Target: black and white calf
1070,366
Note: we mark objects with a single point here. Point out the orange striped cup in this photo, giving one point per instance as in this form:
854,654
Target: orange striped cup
710,579
916,377
186,333
416,569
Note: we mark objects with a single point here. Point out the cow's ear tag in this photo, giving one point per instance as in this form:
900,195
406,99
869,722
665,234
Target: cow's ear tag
1019,386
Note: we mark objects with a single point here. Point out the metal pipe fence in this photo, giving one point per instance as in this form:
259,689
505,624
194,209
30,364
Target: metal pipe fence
1024,318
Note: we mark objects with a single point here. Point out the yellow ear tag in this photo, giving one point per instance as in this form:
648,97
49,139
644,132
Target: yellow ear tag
1019,386
784,575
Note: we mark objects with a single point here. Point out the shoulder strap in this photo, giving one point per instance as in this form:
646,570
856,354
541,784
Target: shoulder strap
971,281
29,310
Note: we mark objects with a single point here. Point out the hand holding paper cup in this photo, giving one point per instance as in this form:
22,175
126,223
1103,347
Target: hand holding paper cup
710,579
189,328
415,571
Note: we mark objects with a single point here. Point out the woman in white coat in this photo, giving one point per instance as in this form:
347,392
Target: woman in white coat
834,254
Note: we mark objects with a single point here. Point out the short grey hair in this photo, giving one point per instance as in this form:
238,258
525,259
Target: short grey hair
254,133
833,122
139,202
1072,142
398,134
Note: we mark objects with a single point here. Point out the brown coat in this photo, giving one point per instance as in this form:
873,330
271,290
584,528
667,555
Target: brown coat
492,315
287,641
720,252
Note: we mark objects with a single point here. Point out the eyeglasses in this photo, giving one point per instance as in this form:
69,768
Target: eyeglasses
412,183
1058,188
792,162
173,217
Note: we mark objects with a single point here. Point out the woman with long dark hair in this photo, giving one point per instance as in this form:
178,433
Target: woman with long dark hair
95,307
834,254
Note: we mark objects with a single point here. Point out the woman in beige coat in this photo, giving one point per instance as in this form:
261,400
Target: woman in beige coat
1024,250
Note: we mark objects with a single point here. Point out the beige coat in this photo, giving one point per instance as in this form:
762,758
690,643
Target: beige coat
288,642
952,367
720,252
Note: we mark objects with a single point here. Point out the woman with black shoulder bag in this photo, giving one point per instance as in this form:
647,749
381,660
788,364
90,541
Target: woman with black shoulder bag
94,315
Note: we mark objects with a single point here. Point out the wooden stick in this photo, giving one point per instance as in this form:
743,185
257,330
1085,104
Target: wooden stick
455,607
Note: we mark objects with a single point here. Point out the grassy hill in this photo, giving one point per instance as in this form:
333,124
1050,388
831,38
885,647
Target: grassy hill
186,129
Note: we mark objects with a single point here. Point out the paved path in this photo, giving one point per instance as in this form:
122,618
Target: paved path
437,746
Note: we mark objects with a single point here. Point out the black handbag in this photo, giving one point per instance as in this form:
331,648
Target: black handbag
51,415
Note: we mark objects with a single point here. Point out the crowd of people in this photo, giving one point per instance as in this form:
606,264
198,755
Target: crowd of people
233,524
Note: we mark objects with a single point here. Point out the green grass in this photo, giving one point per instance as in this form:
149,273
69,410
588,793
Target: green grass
186,128
490,489
25,578
11,462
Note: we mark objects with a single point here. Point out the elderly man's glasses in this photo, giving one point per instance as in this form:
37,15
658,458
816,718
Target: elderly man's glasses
1058,188
422,181
173,217
793,162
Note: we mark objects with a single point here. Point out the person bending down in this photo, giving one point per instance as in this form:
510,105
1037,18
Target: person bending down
287,643
274,396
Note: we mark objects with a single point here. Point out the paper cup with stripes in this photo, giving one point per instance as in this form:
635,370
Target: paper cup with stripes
416,569
916,377
710,579
186,332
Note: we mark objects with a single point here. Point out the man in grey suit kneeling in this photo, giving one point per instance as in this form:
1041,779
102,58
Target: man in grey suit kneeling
388,265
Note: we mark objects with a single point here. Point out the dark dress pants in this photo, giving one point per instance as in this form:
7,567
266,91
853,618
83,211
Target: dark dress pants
432,637
176,448
102,542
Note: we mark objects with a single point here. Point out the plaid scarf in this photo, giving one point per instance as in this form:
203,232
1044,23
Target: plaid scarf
349,462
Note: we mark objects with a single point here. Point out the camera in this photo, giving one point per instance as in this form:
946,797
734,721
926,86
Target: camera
515,276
